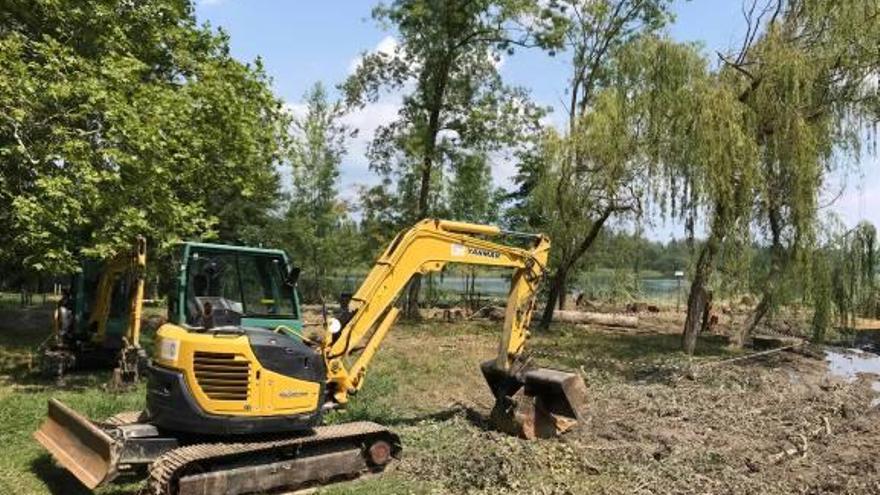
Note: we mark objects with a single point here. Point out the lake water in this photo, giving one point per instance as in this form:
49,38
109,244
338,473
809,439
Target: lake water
661,290
655,289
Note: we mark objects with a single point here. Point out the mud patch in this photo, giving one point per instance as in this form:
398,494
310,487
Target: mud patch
852,364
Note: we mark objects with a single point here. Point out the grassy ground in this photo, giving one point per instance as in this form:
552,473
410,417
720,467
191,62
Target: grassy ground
660,423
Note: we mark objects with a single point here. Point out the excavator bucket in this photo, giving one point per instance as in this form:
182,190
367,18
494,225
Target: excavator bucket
85,450
536,403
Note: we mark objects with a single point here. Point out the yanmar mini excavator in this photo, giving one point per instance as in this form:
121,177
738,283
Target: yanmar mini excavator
98,320
236,394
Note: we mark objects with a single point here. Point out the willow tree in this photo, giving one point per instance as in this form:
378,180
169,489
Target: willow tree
718,166
594,187
806,74
843,285
854,273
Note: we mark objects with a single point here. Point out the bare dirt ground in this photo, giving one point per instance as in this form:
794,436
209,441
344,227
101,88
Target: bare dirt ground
660,422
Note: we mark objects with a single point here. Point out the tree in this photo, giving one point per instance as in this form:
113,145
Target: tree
379,220
809,82
124,118
471,195
447,61
315,214
843,285
717,161
584,182
796,95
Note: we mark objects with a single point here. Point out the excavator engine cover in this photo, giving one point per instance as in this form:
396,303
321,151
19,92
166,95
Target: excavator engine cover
536,402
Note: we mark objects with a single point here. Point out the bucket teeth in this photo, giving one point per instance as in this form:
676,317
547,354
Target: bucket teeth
536,403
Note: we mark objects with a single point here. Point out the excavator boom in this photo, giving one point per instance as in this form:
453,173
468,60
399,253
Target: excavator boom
529,402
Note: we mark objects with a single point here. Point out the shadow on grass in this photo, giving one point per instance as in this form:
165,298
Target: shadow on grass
623,353
77,381
23,330
476,418
392,418
57,479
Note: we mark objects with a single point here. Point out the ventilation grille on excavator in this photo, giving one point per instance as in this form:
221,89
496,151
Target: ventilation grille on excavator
221,376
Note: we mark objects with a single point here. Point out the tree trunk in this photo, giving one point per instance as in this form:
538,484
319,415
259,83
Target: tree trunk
435,107
411,308
778,261
587,317
562,295
755,319
558,283
698,297
473,291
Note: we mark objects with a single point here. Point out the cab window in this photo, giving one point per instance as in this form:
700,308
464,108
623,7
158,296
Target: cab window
265,293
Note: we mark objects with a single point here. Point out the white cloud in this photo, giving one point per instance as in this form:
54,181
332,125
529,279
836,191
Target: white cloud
503,166
387,45
448,135
298,110
498,63
355,169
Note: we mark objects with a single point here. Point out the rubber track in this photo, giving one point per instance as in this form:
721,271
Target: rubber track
165,470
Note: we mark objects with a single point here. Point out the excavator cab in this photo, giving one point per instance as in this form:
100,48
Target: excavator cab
234,286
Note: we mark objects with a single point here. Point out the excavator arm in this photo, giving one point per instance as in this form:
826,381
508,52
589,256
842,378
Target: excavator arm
428,247
132,262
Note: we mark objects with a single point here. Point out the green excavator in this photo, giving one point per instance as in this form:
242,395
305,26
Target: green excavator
97,322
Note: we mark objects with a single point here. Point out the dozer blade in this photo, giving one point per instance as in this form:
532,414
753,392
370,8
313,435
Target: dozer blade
536,403
85,450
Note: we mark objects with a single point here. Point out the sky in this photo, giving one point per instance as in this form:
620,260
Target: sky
302,42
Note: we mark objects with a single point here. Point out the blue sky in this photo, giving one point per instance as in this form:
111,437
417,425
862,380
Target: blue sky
302,42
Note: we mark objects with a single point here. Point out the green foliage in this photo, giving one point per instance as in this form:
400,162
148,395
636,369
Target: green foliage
807,85
119,119
471,195
843,284
821,296
853,274
457,104
380,219
316,229
607,166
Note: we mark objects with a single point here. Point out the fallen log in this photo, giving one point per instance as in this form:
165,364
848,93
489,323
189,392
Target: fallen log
607,319
496,313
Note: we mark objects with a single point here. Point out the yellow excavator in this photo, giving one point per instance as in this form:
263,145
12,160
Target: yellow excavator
236,393
97,322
